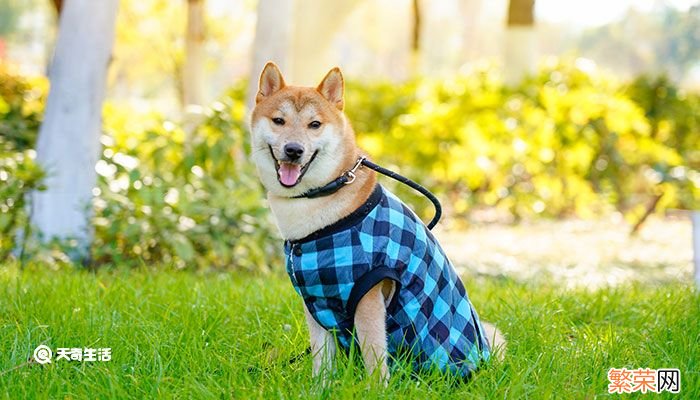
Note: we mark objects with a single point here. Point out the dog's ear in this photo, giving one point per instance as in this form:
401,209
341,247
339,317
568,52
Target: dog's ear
271,81
332,88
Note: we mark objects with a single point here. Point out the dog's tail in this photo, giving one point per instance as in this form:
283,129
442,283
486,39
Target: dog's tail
496,340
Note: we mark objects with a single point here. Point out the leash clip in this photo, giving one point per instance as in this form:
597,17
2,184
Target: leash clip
351,173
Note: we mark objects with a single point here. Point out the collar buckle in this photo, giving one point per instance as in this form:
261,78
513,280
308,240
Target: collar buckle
351,173
351,177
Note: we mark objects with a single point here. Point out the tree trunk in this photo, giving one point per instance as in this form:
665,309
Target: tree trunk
273,40
472,38
68,145
277,37
58,6
415,37
318,22
521,13
521,40
193,69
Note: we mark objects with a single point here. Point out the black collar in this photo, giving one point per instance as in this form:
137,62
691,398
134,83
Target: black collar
346,178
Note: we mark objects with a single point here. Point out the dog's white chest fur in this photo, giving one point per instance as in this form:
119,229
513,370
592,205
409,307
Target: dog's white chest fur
298,218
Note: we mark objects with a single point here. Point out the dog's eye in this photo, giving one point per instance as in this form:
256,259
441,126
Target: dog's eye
314,125
278,121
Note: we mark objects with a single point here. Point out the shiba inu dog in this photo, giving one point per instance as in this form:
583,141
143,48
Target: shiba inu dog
367,268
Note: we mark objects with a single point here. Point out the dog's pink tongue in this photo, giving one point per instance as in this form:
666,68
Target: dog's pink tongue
289,173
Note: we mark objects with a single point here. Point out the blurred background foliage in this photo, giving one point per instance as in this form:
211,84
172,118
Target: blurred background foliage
21,108
189,200
572,110
568,141
183,198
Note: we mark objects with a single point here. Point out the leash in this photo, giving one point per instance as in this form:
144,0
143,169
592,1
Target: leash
349,176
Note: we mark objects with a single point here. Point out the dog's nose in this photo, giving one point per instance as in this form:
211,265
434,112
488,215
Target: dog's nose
293,150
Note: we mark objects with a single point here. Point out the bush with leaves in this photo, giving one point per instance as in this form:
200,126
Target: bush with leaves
674,118
567,141
21,109
191,200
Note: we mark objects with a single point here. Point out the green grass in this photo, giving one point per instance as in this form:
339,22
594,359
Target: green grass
227,335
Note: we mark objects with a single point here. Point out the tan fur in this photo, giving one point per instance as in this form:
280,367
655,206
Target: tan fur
299,106
331,87
297,218
370,325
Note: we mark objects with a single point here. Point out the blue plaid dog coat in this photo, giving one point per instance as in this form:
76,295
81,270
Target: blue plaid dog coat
429,318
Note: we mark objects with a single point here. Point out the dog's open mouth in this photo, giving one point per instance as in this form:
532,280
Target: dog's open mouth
289,174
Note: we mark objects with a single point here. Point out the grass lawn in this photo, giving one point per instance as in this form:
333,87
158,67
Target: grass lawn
227,335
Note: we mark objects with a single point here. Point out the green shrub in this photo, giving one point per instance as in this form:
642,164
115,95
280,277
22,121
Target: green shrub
566,141
191,202
21,108
188,200
674,117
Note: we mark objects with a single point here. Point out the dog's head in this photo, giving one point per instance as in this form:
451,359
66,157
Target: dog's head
300,137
